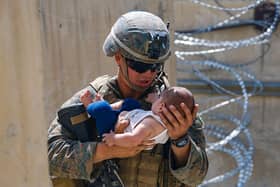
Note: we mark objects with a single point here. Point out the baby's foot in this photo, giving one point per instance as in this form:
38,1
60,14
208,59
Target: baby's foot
86,98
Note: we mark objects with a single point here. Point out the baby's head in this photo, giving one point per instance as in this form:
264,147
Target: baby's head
174,96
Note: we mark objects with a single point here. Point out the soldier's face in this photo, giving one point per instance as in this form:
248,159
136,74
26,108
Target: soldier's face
143,80
139,79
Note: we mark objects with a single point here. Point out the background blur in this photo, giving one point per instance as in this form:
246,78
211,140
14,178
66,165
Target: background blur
49,49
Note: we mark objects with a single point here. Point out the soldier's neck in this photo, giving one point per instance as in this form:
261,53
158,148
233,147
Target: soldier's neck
127,91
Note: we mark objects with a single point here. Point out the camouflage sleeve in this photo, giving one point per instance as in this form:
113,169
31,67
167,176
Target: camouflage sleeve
196,167
69,158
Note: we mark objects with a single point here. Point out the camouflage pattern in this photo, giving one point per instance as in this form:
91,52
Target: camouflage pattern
71,162
69,158
140,36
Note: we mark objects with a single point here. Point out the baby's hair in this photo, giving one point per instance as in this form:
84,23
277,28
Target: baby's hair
177,95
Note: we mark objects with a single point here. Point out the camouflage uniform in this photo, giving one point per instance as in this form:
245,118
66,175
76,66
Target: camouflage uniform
71,161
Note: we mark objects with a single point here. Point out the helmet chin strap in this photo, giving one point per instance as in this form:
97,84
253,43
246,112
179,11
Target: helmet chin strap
124,71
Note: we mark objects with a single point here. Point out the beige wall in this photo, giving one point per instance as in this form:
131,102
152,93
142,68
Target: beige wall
73,36
23,132
49,49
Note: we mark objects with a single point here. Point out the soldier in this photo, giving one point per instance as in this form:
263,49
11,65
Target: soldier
139,43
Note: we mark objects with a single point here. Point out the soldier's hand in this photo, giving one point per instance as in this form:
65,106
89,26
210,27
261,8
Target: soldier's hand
105,152
148,144
108,138
175,122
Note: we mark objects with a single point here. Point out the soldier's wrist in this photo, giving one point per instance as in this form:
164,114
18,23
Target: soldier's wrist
181,141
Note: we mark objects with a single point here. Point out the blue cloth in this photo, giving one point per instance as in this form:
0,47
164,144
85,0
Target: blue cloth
105,117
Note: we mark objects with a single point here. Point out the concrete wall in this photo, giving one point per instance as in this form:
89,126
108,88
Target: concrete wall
48,50
73,35
23,130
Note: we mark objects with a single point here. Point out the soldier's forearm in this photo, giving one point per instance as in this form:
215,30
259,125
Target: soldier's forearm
102,152
181,155
70,159
195,168
105,152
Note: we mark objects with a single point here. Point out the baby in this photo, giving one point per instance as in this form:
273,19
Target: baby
144,125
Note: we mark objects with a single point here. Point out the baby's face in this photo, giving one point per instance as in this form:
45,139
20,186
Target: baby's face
152,97
157,105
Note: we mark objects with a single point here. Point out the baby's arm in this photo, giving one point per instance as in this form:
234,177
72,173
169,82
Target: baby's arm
130,139
86,98
117,105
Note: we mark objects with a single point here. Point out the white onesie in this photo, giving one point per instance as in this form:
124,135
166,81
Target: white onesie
137,115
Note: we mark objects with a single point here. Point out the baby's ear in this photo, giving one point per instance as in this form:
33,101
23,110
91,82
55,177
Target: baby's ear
161,105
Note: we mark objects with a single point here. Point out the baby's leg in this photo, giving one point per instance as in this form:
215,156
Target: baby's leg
86,98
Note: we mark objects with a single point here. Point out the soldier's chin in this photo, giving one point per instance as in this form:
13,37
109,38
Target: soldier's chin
144,84
144,87
140,87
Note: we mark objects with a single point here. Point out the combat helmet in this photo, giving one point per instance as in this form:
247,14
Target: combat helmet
139,35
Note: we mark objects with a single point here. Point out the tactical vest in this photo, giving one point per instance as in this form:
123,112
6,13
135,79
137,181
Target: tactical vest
148,168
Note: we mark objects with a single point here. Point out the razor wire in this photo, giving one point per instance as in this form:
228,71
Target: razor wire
227,141
250,6
220,46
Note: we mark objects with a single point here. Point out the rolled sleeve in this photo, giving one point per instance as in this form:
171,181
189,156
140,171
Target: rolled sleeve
69,158
195,169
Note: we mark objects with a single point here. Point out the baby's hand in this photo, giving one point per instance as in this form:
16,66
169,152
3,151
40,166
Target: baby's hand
86,98
97,97
108,138
122,123
117,105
